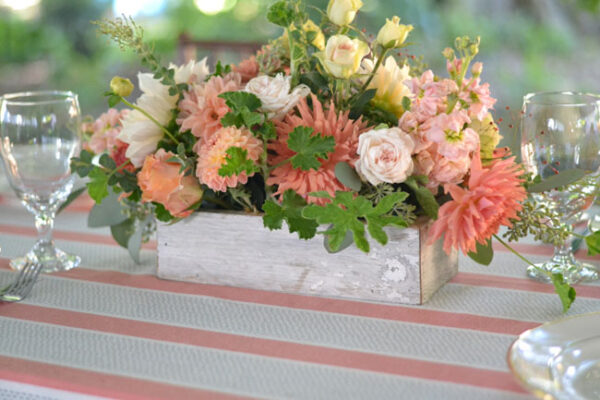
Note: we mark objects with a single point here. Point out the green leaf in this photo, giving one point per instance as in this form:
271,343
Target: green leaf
106,213
72,196
561,179
266,131
98,184
348,176
107,162
236,101
289,210
346,213
321,194
280,13
359,104
123,231
113,100
566,293
346,242
237,162
309,148
162,214
425,198
593,243
483,253
134,244
315,81
406,103
251,118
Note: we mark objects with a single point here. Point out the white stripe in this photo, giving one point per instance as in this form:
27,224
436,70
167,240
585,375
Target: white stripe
21,391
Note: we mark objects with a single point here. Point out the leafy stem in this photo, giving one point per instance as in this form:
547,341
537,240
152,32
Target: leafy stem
151,118
377,65
509,247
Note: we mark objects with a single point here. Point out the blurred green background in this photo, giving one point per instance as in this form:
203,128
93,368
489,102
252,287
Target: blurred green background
527,45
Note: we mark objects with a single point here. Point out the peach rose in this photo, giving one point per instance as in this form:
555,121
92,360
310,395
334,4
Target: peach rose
162,182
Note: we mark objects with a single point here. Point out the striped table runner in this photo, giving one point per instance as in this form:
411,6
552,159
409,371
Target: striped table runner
112,329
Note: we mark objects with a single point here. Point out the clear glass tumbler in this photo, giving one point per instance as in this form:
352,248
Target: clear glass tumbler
560,131
39,134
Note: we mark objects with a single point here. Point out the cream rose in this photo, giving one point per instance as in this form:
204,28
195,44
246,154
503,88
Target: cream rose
275,95
342,56
393,34
385,156
342,12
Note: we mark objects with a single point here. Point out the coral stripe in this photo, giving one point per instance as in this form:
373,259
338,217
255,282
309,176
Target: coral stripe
347,307
97,383
541,250
267,347
505,282
67,235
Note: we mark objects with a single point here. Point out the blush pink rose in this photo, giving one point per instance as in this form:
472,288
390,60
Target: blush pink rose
162,182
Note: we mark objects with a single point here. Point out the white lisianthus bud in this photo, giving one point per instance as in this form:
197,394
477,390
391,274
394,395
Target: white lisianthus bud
275,94
385,156
342,56
342,12
393,34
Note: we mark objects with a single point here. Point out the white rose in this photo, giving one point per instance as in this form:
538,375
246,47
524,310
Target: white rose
385,156
275,95
342,56
342,12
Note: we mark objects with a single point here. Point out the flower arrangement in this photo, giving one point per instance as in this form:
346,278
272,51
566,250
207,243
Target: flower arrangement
323,126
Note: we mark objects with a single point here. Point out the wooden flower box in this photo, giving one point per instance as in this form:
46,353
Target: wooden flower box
234,249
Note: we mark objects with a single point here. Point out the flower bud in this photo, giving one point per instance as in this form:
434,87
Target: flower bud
448,54
121,86
476,69
342,12
342,56
393,34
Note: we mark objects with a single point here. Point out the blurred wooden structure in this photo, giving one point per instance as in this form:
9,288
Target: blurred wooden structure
229,51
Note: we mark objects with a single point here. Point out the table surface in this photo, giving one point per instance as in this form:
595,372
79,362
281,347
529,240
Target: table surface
110,328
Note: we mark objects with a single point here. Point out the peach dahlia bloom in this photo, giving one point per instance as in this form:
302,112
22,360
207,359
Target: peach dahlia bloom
212,155
475,214
201,108
330,123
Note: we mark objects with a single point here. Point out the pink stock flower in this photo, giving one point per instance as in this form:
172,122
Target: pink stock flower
475,214
247,69
453,141
440,170
202,108
329,123
161,181
478,97
105,130
212,155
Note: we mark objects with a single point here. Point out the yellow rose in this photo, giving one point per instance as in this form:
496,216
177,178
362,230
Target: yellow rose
488,135
342,55
319,40
389,83
121,86
393,34
342,12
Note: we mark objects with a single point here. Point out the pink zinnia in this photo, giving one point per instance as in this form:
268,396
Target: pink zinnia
329,123
212,155
201,109
475,214
247,69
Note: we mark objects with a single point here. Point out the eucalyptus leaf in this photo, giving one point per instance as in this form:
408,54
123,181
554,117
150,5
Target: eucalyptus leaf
348,176
561,179
74,194
483,253
123,231
106,213
135,243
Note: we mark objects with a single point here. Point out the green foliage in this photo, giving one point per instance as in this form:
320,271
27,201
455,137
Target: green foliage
539,220
72,197
289,210
98,184
162,214
425,198
593,243
483,253
346,213
557,181
564,290
309,148
237,162
107,213
238,101
244,113
281,13
358,103
348,176
220,70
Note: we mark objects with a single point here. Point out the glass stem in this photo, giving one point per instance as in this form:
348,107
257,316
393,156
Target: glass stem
563,254
44,222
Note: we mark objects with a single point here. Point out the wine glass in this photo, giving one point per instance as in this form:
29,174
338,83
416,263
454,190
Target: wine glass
39,133
560,131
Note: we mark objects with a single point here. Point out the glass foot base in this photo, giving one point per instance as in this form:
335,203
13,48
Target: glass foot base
59,261
573,273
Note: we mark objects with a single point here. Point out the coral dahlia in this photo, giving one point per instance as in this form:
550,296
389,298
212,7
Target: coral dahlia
475,214
327,122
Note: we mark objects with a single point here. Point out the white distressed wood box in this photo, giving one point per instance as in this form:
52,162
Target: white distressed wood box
233,249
